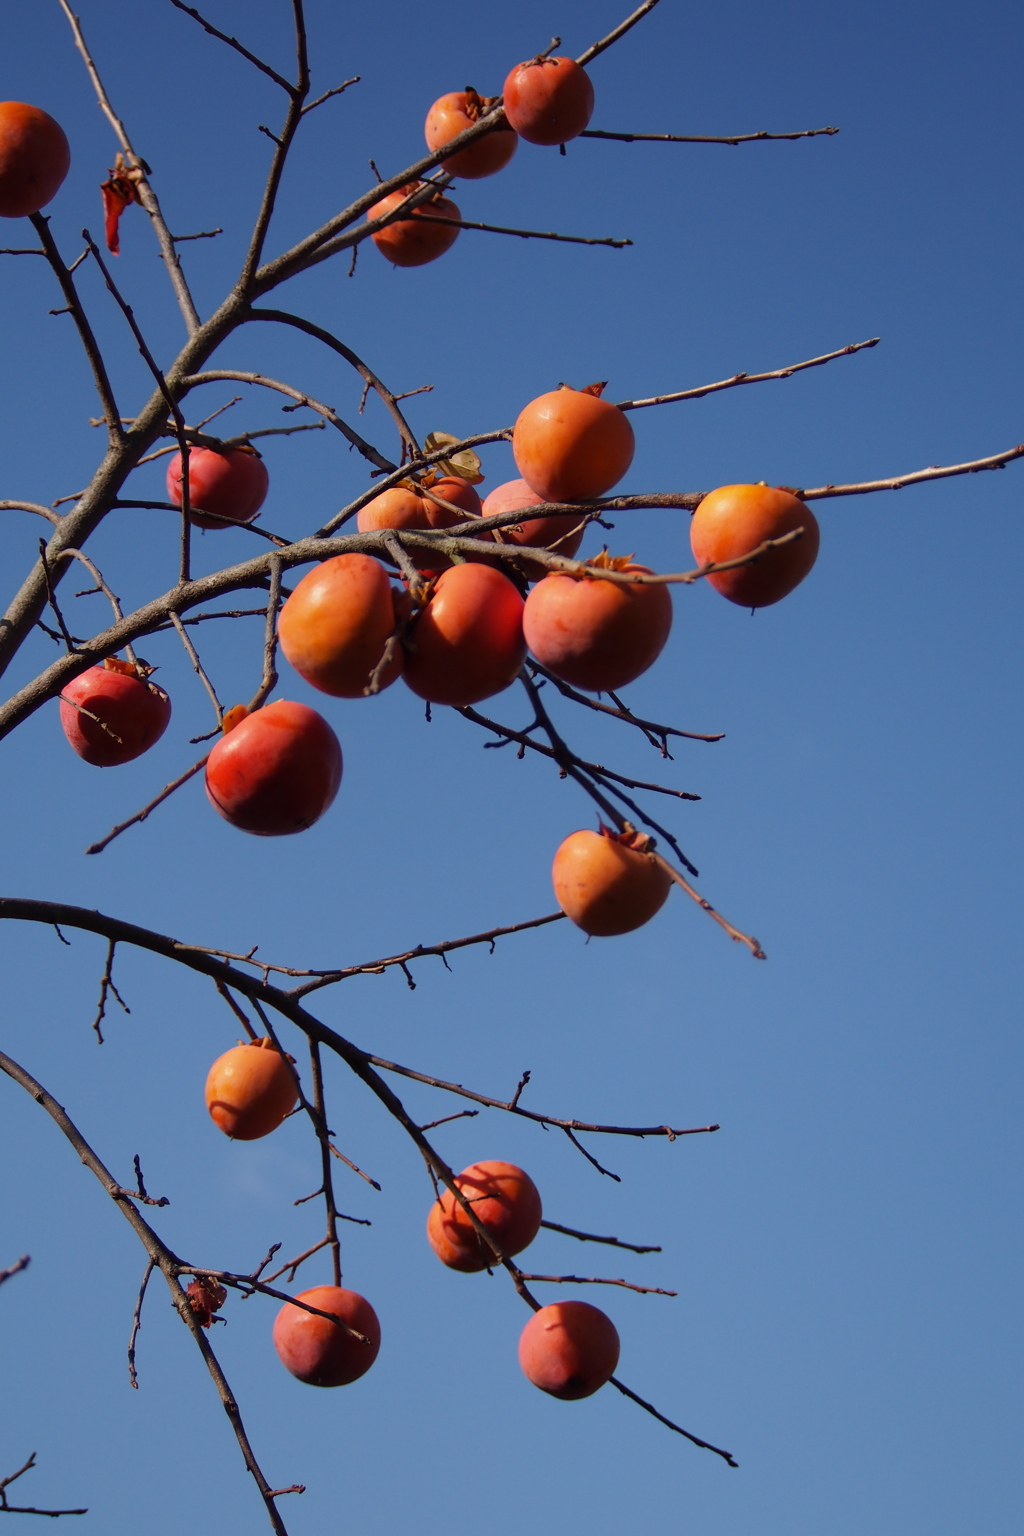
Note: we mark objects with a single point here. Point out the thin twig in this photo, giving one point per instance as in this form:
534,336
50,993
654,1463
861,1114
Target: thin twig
269,679
524,234
701,138
140,178
15,1268
137,1324
233,42
749,378
107,986
13,1509
619,31
590,1237
167,790
704,1445
734,933
198,666
627,1285
101,379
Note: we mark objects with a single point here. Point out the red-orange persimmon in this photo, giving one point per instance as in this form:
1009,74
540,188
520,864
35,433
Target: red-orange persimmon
228,484
275,772
422,235
594,633
734,520
35,157
570,445
569,1349
453,114
549,101
467,644
120,713
608,882
317,1350
504,1199
336,624
250,1090
562,534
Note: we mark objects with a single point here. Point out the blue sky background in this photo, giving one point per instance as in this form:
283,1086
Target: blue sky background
847,1247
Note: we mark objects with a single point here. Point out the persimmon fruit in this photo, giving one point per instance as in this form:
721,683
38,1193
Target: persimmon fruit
422,235
127,713
504,1199
225,485
570,445
408,506
35,157
276,772
453,114
734,520
595,633
336,624
569,1349
608,882
562,534
549,101
250,1090
467,643
319,1352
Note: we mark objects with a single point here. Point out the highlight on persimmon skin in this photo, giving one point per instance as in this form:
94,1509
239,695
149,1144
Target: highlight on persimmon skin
562,534
276,772
230,484
504,1199
319,1352
335,626
570,445
467,643
597,634
250,1090
608,882
548,101
35,157
415,239
735,519
569,1349
453,114
131,712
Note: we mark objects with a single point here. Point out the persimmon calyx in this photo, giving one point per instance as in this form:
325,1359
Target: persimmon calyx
464,465
232,717
264,1043
629,837
597,390
478,106
603,561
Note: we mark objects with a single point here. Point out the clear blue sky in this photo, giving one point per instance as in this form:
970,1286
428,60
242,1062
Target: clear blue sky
846,1247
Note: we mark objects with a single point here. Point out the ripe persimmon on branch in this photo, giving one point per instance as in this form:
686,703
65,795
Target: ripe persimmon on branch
456,596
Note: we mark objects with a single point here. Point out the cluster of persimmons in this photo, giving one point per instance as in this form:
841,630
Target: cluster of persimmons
457,636
568,1349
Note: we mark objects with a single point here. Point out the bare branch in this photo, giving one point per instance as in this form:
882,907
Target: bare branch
147,197
137,1324
30,506
701,138
525,234
589,1237
167,790
106,987
17,1266
115,432
704,1445
749,378
13,1509
620,31
233,42
193,655
644,1290
918,477
270,639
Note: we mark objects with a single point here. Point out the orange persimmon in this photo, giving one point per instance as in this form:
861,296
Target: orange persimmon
35,157
597,634
453,114
277,771
570,445
548,101
609,882
734,520
504,1199
318,1351
422,235
569,1349
250,1090
335,626
467,643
